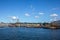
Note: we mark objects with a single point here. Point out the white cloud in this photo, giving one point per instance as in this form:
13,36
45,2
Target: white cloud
54,15
26,14
36,16
13,17
41,13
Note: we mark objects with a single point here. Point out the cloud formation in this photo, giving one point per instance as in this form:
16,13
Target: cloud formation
26,14
41,13
36,16
13,17
54,15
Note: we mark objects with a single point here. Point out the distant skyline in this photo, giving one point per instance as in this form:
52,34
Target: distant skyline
30,10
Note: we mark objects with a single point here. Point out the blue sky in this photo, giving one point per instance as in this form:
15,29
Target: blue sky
29,10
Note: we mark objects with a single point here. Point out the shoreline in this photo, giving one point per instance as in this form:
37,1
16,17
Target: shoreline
33,27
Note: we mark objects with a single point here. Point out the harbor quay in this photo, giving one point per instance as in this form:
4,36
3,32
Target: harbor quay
25,24
20,24
52,25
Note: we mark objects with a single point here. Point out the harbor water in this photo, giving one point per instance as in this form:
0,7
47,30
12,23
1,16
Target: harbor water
23,33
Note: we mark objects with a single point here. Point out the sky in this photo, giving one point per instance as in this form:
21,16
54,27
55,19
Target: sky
29,10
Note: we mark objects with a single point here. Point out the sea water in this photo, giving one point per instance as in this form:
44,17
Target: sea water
23,33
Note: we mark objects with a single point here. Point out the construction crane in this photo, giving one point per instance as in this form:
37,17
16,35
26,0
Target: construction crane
14,19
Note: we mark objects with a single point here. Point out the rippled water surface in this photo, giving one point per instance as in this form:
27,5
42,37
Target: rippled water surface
22,33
